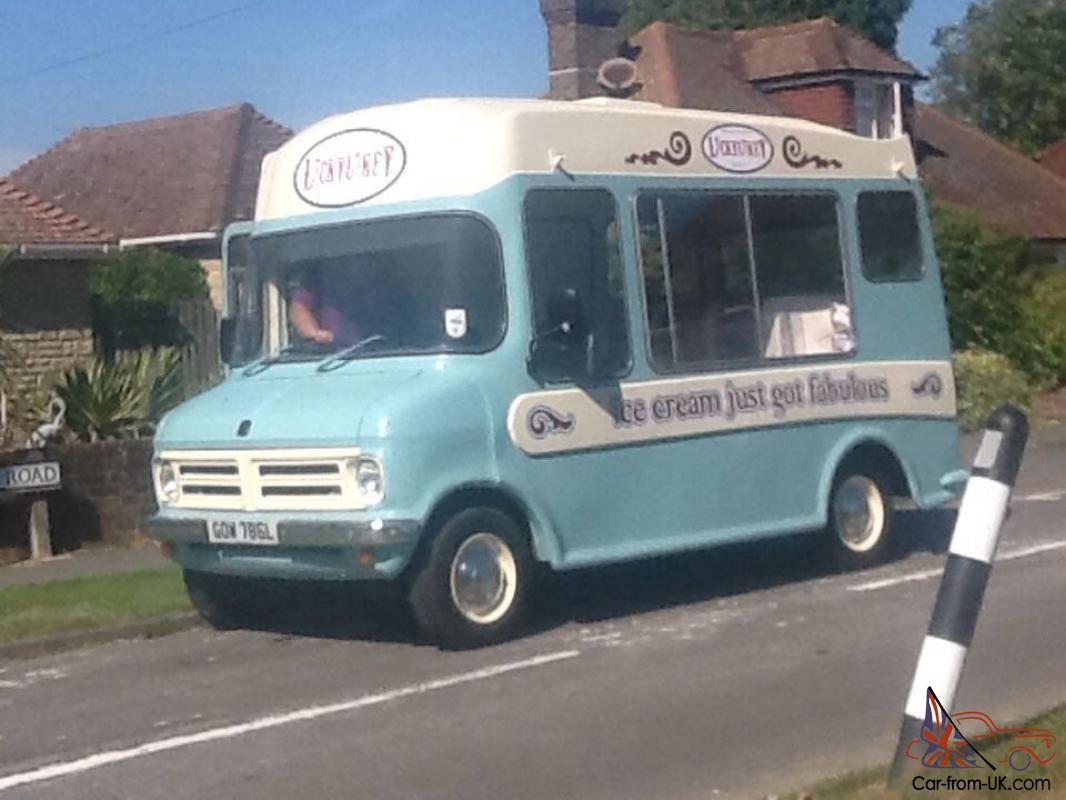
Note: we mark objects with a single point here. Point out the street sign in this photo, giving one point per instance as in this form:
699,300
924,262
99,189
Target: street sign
34,477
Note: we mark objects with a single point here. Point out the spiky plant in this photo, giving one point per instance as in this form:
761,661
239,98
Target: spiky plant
121,399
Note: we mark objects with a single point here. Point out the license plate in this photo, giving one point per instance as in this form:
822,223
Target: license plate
241,531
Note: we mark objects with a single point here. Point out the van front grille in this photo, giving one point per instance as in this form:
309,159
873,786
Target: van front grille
267,480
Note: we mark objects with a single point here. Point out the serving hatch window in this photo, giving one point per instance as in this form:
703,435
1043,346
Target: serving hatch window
393,286
735,277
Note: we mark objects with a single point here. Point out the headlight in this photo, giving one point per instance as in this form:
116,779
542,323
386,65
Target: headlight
167,481
370,480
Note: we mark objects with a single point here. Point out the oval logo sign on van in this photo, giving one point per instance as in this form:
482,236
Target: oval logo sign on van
738,148
349,167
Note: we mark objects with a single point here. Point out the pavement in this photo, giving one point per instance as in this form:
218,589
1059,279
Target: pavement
740,672
94,560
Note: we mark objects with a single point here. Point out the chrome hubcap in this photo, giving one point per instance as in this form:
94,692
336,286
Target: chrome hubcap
483,578
859,513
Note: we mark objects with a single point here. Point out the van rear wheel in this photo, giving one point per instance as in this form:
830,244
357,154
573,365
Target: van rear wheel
860,518
474,586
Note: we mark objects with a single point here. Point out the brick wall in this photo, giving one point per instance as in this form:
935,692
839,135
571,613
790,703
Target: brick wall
107,492
828,103
106,496
46,316
42,352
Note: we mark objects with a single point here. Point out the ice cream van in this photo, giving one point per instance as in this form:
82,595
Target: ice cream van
471,339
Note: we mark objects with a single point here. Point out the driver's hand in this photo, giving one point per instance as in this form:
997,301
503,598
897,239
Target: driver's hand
322,336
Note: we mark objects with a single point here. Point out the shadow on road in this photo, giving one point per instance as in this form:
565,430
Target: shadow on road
677,580
377,612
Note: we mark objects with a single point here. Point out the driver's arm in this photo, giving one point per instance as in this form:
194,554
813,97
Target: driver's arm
304,319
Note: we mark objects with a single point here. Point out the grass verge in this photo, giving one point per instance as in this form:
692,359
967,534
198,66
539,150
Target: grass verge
870,784
46,609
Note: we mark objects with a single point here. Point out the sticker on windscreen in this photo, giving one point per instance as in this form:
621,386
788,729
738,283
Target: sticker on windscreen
455,322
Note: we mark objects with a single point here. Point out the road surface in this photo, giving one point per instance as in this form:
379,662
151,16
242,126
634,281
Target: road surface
737,673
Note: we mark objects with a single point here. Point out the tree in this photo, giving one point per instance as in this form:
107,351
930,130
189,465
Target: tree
1003,69
135,297
876,19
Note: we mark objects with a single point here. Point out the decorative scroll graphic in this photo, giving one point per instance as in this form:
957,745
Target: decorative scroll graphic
929,386
798,158
544,421
678,152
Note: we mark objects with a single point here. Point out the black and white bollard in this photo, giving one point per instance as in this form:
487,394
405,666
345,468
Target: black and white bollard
973,545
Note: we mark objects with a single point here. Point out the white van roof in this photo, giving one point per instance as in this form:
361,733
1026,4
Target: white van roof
454,147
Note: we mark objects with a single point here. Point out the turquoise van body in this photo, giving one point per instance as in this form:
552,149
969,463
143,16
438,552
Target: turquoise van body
439,423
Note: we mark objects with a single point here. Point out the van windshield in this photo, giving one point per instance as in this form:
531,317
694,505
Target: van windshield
399,286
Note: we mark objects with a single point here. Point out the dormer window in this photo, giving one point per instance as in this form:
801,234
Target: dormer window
878,108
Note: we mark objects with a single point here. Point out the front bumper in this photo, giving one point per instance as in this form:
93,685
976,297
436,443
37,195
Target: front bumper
307,549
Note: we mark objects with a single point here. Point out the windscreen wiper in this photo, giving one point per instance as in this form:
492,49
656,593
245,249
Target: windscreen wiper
348,352
289,350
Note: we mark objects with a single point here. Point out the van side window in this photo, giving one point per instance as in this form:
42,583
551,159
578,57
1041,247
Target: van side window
578,287
891,238
697,278
803,303
730,277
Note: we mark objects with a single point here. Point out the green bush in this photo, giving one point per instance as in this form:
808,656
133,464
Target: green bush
135,297
988,292
123,398
1046,306
983,382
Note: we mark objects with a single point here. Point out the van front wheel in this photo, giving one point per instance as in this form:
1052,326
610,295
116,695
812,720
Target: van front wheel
860,519
473,587
228,603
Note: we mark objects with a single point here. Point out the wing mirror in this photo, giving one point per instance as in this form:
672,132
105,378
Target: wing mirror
227,332
566,349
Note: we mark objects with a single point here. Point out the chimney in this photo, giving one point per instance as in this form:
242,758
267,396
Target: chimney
582,34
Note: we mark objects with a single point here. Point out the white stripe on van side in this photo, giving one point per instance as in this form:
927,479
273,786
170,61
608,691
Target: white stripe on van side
561,420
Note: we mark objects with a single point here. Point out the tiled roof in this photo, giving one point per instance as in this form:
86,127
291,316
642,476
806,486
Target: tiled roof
26,219
696,69
1054,158
814,47
190,173
722,70
966,168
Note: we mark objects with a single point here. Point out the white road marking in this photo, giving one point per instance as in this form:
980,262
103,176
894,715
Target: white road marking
1042,497
62,769
1030,550
884,583
1012,554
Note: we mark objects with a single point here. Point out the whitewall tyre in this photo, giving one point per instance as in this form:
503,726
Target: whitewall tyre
860,518
472,586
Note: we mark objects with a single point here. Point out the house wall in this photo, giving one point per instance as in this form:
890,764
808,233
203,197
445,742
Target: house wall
45,317
213,274
828,103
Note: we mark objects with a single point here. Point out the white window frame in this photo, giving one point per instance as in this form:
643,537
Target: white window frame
870,89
